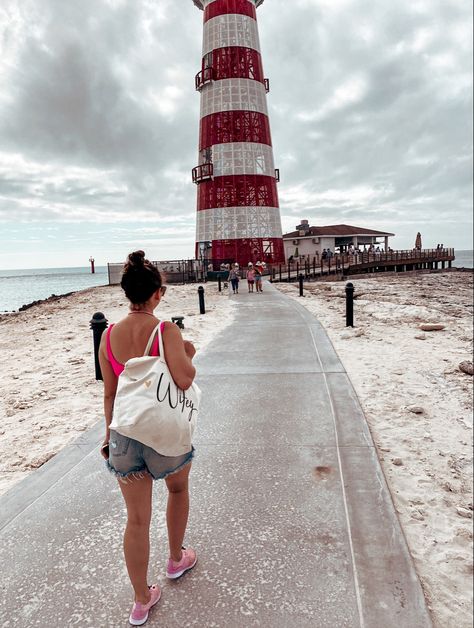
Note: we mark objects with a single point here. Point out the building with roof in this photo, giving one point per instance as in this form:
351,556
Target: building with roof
309,241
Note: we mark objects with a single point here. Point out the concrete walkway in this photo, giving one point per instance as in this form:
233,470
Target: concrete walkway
290,515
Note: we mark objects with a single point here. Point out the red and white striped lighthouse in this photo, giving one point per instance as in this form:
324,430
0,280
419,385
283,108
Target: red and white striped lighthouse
238,216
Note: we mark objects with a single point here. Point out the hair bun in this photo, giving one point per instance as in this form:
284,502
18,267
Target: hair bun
140,278
136,259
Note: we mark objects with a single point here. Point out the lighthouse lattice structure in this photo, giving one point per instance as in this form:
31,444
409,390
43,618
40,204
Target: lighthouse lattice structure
238,215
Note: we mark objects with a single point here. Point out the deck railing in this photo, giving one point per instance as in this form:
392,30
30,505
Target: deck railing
192,270
347,263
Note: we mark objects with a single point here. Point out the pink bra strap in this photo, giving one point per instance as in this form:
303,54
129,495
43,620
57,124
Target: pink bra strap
115,365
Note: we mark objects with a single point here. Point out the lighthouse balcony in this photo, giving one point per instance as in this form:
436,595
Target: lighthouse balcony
202,173
203,78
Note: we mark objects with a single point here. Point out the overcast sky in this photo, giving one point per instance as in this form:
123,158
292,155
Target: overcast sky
370,108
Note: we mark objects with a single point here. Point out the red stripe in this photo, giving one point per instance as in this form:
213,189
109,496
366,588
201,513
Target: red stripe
238,191
226,7
236,62
234,126
245,250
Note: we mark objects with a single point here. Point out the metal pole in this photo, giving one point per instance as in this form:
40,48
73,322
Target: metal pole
349,304
300,279
98,324
202,307
219,282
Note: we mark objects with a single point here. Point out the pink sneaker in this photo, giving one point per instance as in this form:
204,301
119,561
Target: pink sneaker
187,562
139,613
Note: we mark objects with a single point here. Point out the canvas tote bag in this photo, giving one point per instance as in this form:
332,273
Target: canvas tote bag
150,408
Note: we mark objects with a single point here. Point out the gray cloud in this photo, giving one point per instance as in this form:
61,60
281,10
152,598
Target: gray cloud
370,107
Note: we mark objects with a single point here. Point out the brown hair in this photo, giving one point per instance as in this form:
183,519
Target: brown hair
140,278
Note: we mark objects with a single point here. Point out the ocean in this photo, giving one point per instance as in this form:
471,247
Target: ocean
464,259
20,287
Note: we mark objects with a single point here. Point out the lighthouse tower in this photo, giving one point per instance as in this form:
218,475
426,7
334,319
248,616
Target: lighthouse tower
238,216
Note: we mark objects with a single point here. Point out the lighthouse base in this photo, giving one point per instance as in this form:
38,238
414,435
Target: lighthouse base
245,250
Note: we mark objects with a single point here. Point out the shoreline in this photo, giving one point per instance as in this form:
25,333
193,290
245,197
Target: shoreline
51,299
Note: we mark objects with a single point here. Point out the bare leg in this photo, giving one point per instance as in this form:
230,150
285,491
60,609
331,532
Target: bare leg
177,510
137,493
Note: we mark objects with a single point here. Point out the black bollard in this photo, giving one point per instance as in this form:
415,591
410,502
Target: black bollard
300,279
219,283
349,304
202,307
98,324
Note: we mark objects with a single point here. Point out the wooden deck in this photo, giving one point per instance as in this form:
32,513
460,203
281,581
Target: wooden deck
345,265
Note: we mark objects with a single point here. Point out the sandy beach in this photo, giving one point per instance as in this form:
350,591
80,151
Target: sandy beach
419,408
48,394
417,401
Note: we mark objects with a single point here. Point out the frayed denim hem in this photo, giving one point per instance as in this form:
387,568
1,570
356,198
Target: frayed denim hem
188,460
137,474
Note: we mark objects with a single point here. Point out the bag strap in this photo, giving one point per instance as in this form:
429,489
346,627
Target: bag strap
160,342
152,338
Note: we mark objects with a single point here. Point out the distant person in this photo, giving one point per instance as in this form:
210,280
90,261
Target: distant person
290,259
324,254
234,277
250,277
135,464
258,277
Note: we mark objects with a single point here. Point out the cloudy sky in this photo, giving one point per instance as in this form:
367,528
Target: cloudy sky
370,105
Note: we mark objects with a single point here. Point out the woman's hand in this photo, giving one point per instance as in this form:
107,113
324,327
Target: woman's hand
189,348
104,450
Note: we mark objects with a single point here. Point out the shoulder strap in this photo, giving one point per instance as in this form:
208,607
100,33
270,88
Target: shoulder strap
160,341
151,338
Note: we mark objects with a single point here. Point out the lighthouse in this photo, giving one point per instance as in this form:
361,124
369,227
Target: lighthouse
238,215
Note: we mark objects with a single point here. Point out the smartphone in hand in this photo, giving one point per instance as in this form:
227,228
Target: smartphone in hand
104,451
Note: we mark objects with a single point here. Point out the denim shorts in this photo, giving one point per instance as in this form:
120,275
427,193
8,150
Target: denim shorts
128,456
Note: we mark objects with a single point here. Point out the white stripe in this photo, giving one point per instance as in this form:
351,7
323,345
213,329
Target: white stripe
230,30
223,223
242,158
233,95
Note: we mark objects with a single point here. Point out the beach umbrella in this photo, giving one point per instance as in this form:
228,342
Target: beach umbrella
296,253
418,241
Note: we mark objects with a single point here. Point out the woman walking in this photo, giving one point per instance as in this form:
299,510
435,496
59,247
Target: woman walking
250,276
234,276
258,276
135,464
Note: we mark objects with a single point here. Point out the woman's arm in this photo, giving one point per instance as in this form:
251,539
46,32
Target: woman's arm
177,355
110,385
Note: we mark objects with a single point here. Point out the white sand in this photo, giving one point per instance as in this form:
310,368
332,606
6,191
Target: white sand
391,369
48,394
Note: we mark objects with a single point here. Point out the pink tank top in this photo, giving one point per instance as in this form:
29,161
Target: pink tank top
117,367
